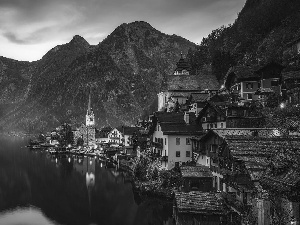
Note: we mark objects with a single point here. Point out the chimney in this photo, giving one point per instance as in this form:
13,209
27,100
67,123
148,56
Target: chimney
187,117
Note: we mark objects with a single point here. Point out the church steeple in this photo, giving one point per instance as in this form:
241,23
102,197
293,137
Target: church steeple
182,66
90,117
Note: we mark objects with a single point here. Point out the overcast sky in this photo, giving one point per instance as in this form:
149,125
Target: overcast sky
30,28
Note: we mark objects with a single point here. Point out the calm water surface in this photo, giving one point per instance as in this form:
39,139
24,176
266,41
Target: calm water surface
37,188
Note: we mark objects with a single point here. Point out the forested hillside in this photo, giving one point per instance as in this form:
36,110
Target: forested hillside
259,35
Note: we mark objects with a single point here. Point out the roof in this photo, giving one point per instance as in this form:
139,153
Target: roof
283,181
182,64
170,117
241,132
196,202
257,152
212,105
196,171
200,97
240,73
287,75
182,128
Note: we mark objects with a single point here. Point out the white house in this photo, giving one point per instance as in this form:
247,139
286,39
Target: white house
171,137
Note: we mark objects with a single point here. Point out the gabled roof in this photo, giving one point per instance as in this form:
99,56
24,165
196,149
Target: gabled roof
200,97
212,105
169,117
174,123
240,73
182,129
182,64
195,171
196,202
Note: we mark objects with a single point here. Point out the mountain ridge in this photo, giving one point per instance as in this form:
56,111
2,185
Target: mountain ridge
125,72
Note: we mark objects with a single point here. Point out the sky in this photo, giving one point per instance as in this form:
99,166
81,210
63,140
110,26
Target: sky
30,28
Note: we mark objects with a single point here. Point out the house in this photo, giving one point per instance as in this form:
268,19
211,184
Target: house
197,178
171,133
196,207
254,83
127,134
115,137
243,82
238,159
102,135
214,116
270,77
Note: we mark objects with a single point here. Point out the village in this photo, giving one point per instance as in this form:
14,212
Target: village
230,163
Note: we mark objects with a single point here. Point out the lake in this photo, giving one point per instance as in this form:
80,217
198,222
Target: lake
37,188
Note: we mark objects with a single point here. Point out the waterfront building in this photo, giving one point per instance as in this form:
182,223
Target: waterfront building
197,178
171,133
196,207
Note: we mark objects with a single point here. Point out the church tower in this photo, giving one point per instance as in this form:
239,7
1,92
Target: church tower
90,117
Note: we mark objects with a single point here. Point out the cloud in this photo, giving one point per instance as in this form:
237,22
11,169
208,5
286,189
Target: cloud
28,22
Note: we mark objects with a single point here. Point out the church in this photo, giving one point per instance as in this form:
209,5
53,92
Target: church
87,131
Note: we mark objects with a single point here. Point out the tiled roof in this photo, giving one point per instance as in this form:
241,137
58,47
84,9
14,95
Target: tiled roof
182,64
291,75
242,73
200,97
180,94
260,146
187,129
257,152
195,171
170,117
243,132
197,202
283,182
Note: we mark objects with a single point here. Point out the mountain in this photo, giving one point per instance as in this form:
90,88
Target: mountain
124,73
259,35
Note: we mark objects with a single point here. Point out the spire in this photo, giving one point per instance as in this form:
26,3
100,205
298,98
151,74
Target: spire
89,104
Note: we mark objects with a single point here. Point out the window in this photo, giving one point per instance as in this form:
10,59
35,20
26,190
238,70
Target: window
207,126
188,141
258,84
165,141
274,83
221,125
215,125
188,154
155,139
177,141
177,153
211,126
249,96
249,85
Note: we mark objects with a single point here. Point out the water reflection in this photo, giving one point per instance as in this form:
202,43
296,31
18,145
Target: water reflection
70,190
25,216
